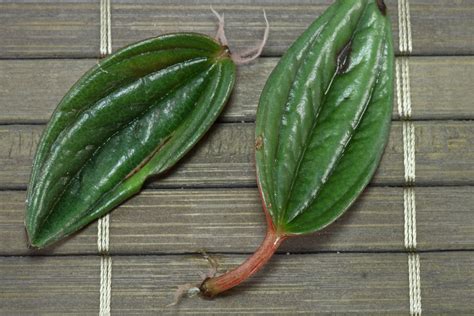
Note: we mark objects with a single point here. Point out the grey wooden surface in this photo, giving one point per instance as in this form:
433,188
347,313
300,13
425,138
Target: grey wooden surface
440,88
230,220
352,283
210,201
444,156
61,28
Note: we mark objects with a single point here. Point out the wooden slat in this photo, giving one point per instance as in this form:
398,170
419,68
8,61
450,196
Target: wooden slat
440,87
362,283
52,28
434,32
31,89
447,283
444,156
71,29
444,153
59,286
323,283
231,220
445,218
217,220
13,234
432,27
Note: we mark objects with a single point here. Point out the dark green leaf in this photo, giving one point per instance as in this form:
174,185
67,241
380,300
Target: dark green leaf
135,114
324,117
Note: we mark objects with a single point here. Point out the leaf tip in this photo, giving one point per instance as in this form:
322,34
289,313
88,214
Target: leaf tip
30,241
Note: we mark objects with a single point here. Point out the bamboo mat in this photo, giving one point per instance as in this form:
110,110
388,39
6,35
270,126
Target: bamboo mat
405,247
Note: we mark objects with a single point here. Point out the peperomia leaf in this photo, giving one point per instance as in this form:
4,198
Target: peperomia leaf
324,117
134,114
322,124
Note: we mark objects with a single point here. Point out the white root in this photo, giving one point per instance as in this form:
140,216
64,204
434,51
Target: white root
245,57
187,289
191,290
213,266
249,55
220,35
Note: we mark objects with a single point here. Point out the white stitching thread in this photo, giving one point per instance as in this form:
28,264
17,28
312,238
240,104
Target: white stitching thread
401,26
399,90
402,72
408,26
409,151
105,286
105,265
415,284
404,27
104,222
105,28
103,234
410,218
406,87
409,199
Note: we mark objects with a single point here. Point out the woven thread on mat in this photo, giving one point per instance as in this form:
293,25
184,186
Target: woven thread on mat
104,222
105,265
105,28
402,72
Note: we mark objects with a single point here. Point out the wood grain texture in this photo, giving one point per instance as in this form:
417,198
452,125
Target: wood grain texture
447,283
231,220
46,286
217,220
440,87
434,32
218,209
444,156
13,239
445,218
53,28
357,283
31,89
58,28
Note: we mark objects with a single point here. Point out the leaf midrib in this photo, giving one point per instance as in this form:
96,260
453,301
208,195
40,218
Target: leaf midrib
101,68
277,147
59,196
354,131
300,158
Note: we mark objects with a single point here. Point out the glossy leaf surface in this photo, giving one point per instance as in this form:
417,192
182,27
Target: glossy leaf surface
134,114
324,117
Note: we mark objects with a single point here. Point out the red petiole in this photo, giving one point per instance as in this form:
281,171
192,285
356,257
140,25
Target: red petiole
216,285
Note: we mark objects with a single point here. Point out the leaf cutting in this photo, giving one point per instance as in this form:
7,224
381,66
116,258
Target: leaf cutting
134,114
322,124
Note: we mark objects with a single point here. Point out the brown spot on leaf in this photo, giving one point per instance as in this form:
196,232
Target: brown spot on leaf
382,7
342,62
148,158
258,143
